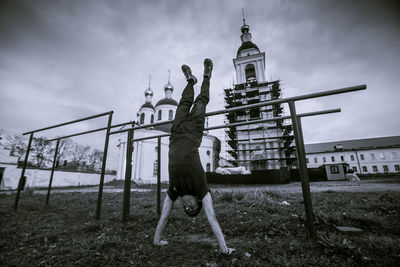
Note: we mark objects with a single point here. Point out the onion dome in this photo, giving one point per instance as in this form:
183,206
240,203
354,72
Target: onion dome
168,88
148,93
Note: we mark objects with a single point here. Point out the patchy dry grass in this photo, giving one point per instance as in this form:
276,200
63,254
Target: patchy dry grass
260,225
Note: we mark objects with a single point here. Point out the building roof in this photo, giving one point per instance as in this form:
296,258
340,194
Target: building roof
357,144
147,105
167,101
247,45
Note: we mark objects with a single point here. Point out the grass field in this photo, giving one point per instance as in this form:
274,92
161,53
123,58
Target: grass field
262,229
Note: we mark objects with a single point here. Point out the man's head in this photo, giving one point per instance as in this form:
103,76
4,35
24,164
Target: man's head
191,205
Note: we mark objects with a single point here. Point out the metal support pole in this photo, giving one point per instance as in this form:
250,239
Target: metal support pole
52,173
103,167
128,177
159,176
301,160
23,172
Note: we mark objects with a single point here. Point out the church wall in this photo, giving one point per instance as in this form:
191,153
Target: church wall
165,112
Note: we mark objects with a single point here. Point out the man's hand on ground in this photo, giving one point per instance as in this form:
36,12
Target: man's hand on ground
161,243
228,252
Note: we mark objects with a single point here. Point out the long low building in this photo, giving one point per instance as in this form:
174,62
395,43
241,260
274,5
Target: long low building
363,156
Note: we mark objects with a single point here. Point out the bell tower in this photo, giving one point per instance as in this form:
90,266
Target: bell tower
249,62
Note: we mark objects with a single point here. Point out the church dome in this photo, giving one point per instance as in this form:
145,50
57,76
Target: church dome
168,86
167,101
148,92
147,105
247,45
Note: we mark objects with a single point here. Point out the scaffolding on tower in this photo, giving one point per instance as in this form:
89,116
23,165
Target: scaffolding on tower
261,146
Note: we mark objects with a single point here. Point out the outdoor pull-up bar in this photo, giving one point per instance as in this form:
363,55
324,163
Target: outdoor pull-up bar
296,123
109,113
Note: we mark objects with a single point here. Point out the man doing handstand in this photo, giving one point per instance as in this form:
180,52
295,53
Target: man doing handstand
187,178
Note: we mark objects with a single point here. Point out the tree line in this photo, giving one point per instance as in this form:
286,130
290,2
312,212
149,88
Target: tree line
70,155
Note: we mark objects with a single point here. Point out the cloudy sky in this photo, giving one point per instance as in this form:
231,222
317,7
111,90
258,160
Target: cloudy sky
63,60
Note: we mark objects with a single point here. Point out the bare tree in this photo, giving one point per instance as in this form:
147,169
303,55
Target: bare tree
17,144
41,151
95,159
79,155
64,149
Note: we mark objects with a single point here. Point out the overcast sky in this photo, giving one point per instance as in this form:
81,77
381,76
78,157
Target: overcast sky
63,60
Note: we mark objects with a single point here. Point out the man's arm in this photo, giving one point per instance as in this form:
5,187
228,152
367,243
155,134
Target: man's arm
166,211
212,220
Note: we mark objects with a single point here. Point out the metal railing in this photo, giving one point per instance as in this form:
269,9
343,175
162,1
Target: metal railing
298,134
297,129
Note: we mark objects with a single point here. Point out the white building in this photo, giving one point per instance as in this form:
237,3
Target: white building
144,157
364,156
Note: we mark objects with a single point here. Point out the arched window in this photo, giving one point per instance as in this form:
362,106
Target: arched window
208,168
152,118
159,114
170,114
142,118
250,72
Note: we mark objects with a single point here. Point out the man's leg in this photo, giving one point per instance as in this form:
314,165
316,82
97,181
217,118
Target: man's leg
197,114
186,102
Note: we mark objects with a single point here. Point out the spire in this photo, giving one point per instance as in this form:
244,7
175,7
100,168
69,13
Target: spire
168,88
245,29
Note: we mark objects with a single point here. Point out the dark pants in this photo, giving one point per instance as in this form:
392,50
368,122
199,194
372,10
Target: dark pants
190,120
186,174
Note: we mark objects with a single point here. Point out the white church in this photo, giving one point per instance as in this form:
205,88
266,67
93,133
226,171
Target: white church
144,157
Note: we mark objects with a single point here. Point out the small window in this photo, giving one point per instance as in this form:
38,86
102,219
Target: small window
397,168
354,169
352,157
385,168
170,114
159,114
372,156
307,160
394,155
375,168
208,167
362,156
333,159
364,168
142,118
342,158
334,169
208,152
152,118
323,159
315,160
382,156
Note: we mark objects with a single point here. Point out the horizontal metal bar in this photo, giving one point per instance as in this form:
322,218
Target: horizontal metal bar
294,98
250,122
143,126
91,131
261,104
69,122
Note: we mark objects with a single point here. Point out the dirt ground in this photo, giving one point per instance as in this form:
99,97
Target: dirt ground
266,225
369,185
